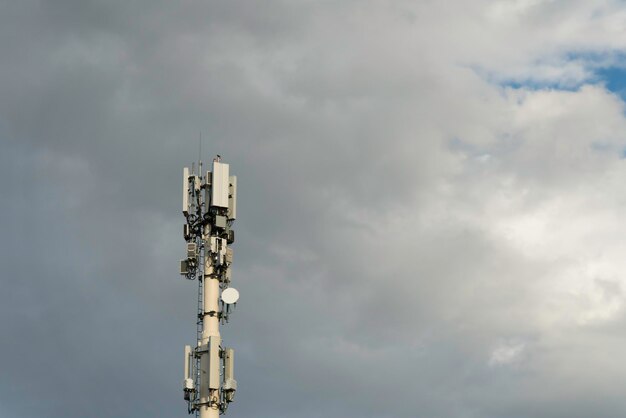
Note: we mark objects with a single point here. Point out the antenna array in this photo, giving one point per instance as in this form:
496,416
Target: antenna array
210,208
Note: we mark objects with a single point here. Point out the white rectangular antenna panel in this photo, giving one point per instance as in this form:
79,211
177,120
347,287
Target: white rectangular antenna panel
214,363
229,363
207,190
188,378
232,198
219,187
187,374
186,191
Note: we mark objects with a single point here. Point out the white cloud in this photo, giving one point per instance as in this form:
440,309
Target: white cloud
506,354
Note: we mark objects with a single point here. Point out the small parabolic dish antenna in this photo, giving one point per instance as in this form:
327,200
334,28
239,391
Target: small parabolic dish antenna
230,295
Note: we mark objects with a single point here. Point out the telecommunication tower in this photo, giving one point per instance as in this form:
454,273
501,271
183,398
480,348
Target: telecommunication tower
210,208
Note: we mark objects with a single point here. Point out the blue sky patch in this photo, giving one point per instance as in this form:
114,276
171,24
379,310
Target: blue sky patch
607,68
614,79
539,85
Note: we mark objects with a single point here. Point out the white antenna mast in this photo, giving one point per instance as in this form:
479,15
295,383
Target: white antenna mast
210,208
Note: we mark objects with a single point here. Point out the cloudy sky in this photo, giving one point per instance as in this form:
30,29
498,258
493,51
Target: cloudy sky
431,200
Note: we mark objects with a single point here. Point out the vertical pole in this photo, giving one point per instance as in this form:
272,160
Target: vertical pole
209,207
209,360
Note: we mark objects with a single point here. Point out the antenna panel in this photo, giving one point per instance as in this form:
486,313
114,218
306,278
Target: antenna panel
186,191
188,383
184,267
232,198
214,366
219,187
229,370
229,363
230,384
188,371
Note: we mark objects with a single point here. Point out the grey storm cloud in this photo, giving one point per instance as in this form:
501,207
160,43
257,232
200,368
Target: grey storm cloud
429,208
